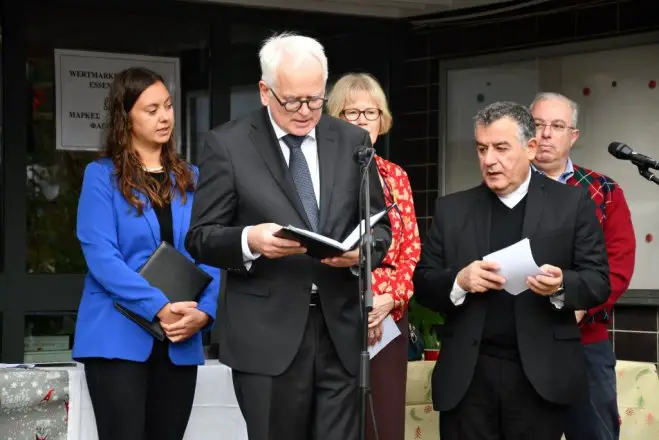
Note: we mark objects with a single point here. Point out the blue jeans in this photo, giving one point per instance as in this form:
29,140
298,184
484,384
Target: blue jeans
596,416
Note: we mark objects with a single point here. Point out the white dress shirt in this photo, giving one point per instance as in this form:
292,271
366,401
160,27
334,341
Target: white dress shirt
310,151
458,294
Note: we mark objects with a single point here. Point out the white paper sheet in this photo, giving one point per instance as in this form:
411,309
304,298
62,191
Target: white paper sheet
516,263
28,366
390,332
352,239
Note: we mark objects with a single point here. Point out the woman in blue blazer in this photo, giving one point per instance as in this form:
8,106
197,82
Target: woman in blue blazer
137,196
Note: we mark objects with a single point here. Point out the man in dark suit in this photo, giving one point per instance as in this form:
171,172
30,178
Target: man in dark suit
510,364
289,324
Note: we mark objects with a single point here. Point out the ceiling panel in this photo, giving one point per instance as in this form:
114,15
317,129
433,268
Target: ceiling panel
372,8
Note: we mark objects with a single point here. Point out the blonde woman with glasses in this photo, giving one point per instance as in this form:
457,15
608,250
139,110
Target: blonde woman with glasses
359,99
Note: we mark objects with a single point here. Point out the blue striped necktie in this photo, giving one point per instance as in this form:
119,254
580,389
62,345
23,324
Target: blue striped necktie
299,168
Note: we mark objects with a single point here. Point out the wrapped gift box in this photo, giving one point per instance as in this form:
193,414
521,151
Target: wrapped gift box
33,404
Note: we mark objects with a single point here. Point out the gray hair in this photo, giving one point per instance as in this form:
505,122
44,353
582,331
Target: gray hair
296,48
550,95
517,112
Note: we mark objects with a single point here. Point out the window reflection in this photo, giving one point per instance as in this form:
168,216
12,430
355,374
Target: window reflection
197,121
2,162
244,99
48,338
54,177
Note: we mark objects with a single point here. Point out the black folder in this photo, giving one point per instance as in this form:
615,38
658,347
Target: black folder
176,276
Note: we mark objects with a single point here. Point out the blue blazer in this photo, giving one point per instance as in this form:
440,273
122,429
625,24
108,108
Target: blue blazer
116,242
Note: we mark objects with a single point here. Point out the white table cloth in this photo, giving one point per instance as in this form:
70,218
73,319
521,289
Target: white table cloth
215,411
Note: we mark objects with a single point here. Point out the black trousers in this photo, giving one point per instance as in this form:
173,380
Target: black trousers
501,404
314,399
149,400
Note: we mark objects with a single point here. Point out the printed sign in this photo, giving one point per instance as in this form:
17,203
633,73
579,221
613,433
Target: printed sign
82,84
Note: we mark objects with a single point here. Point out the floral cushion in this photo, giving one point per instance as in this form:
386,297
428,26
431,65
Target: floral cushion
638,401
422,422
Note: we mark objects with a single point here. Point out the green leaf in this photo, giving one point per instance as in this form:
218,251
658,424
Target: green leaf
414,416
424,320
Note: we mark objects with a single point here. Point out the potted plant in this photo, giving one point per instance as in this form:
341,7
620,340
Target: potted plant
427,322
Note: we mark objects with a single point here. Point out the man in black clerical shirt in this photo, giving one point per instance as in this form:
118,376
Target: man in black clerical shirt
510,364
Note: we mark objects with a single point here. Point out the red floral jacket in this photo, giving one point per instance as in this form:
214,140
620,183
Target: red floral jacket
395,274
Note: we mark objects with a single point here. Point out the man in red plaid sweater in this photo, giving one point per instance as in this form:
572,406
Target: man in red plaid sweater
596,418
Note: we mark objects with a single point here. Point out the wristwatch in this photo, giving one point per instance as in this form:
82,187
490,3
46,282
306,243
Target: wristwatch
560,291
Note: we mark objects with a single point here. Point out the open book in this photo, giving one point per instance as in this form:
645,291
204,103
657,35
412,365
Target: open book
318,246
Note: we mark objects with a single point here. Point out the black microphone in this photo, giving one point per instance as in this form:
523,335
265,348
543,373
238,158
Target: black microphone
363,154
624,152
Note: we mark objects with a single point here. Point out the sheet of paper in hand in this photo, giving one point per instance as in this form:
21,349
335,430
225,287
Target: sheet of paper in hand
516,263
390,332
318,246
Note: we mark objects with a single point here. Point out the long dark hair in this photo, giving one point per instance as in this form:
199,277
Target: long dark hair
126,88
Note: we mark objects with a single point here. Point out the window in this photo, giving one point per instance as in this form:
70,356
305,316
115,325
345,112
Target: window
244,100
54,176
48,337
2,164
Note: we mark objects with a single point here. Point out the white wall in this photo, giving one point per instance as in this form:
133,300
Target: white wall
628,113
511,82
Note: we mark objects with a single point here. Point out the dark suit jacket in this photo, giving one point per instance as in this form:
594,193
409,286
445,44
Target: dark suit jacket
244,180
561,224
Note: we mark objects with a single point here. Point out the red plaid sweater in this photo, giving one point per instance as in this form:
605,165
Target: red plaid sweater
615,218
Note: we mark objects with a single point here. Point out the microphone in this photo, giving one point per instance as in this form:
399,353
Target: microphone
363,154
623,151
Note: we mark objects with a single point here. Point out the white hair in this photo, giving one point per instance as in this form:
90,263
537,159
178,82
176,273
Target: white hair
550,95
296,48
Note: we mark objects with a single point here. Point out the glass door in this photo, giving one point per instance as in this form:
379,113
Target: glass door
54,266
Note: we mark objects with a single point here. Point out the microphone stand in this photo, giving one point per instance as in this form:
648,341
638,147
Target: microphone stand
645,172
366,294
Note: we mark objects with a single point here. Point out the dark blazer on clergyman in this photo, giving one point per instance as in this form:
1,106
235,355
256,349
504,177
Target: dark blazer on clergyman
244,180
563,229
